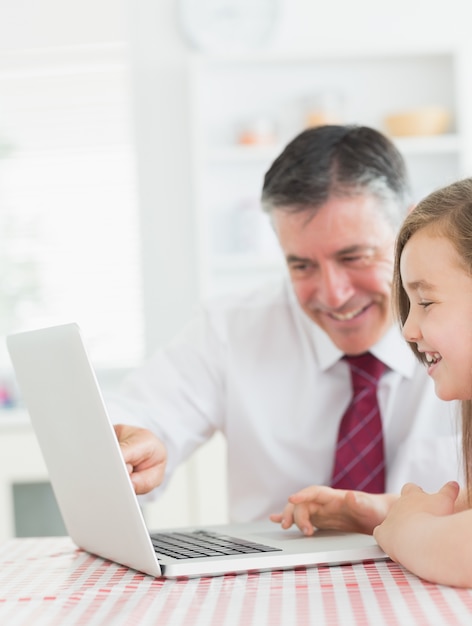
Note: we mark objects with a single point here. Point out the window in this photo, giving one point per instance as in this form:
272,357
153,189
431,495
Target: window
68,199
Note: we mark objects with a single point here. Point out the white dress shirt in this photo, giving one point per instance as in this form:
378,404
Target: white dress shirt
258,369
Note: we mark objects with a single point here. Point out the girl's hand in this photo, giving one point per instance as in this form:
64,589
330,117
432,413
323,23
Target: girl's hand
404,525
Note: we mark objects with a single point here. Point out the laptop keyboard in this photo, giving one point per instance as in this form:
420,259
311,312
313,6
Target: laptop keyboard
188,545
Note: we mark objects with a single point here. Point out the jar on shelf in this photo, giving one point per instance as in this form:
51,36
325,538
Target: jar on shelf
324,107
259,131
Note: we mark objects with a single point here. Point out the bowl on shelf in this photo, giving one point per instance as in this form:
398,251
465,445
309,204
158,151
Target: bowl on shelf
427,120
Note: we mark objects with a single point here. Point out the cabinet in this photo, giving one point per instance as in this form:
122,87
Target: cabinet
246,108
21,462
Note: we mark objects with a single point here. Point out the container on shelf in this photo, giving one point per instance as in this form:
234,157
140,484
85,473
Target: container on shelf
259,131
324,107
421,121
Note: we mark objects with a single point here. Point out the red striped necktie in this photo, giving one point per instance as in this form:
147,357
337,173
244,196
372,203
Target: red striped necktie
360,461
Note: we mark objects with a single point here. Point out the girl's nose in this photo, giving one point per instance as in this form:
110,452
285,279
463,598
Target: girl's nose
411,330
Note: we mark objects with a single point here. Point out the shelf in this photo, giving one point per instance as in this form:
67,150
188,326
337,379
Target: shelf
431,145
231,96
362,51
437,144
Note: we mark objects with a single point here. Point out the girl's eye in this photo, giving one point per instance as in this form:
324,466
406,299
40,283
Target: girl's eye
425,305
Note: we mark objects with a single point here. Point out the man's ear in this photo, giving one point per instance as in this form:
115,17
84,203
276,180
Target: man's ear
410,208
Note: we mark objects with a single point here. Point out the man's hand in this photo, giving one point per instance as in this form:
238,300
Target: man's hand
319,506
145,456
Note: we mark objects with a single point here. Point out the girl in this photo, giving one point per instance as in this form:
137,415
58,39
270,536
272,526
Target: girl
430,534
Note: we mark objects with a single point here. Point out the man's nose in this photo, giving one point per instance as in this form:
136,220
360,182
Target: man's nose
334,287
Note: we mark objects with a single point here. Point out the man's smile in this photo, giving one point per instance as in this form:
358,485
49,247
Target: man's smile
345,317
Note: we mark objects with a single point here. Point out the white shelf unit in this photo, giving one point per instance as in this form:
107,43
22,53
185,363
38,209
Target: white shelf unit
236,247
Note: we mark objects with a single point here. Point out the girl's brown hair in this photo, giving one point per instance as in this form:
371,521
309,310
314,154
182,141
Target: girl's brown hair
447,213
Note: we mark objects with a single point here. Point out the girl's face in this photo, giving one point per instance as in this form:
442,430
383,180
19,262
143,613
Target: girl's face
440,318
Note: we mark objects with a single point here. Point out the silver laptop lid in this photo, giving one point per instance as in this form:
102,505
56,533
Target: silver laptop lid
96,498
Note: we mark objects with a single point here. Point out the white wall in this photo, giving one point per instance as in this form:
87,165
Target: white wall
44,23
309,25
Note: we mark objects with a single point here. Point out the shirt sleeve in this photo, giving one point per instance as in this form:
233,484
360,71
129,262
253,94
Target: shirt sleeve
179,392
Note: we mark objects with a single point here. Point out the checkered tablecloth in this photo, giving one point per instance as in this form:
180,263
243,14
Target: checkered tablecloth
48,581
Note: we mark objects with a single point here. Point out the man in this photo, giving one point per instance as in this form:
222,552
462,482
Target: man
266,369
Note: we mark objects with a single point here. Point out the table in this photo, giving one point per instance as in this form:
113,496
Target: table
48,581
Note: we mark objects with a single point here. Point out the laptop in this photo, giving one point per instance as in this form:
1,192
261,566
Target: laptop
95,495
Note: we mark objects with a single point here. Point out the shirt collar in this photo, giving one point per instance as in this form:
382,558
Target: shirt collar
392,349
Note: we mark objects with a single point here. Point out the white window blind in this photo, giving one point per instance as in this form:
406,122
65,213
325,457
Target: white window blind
68,199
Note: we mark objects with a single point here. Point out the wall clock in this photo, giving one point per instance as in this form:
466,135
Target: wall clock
228,25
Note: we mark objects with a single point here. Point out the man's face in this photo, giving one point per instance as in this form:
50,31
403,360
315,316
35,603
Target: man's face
341,263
